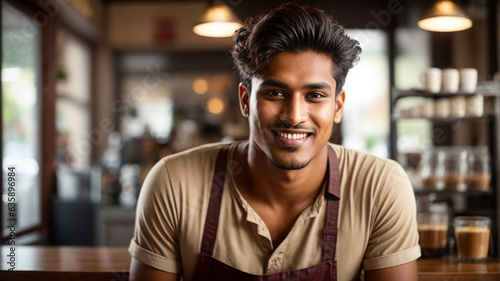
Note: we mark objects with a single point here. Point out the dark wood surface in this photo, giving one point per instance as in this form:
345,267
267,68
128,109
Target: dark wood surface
112,264
449,269
66,263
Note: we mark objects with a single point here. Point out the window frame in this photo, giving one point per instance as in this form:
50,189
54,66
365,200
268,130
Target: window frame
46,113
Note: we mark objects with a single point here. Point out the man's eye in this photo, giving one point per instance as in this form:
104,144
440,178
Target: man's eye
315,95
274,93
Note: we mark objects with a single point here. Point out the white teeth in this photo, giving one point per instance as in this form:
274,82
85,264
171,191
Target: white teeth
292,136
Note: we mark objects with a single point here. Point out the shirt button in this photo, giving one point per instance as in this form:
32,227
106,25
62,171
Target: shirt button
270,265
264,228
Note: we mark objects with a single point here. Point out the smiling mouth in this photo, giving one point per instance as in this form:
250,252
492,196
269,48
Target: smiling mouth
293,136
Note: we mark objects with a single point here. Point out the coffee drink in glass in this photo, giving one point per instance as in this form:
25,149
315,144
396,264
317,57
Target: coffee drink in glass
473,236
433,230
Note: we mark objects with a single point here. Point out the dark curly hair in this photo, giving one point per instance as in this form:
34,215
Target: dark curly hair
294,28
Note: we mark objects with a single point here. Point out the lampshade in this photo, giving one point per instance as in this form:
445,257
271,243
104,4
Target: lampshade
218,21
445,16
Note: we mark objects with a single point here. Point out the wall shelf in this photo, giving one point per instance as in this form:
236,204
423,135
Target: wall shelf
448,119
428,190
473,202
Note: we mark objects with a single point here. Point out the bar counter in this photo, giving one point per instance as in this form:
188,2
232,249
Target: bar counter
44,263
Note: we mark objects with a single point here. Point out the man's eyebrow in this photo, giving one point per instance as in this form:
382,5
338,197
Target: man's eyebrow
278,84
320,85
274,83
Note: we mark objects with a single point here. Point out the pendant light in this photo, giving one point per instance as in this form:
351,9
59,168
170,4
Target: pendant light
445,16
217,21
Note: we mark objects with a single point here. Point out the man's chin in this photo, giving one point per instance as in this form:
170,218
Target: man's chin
288,165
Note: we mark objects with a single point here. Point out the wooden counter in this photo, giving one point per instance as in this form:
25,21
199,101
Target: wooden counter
44,263
449,269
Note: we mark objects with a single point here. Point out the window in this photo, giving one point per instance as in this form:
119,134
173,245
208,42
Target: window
365,125
21,105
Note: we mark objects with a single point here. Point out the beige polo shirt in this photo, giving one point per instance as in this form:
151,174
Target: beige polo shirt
377,219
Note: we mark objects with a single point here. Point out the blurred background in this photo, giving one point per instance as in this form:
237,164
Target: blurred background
95,92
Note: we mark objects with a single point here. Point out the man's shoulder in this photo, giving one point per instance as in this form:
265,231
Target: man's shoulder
197,153
359,168
349,157
343,151
192,166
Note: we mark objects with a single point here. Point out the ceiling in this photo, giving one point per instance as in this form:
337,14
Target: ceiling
350,13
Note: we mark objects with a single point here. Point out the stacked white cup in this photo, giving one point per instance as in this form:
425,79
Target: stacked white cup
431,79
450,80
468,79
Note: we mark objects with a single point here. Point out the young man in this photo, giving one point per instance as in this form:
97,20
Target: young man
286,204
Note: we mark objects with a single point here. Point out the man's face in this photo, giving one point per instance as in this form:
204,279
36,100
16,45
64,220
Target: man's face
292,108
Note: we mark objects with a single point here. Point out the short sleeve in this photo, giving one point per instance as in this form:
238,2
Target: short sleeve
394,237
155,240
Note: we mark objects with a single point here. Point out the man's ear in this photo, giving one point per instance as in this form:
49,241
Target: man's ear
339,107
244,97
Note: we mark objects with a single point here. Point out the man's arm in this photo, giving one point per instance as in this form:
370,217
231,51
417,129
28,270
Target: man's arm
404,272
142,272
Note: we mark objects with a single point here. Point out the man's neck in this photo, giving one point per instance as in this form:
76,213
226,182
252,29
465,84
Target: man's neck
267,184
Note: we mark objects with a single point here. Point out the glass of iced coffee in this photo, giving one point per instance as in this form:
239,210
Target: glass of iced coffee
433,230
473,237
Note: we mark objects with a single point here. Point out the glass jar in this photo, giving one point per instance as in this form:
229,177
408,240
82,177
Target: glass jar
479,177
431,169
456,166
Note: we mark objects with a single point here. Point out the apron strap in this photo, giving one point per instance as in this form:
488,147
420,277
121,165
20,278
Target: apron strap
332,207
212,220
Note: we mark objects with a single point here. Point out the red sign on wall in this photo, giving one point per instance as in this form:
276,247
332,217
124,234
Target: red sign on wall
164,30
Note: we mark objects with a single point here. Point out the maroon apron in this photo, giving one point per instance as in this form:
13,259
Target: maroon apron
209,268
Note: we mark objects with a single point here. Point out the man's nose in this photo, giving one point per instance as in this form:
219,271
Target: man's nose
294,110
